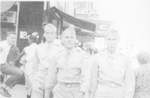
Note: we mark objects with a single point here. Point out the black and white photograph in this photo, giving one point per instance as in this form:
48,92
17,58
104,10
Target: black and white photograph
75,49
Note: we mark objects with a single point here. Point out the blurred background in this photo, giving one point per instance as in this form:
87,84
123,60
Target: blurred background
92,18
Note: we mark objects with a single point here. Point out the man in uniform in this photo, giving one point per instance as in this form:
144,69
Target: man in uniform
42,60
70,70
112,74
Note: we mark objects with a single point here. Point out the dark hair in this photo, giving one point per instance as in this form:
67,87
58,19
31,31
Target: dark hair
33,38
143,57
10,32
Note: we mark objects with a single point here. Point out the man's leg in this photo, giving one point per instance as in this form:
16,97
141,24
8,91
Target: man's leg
37,90
15,73
28,86
60,92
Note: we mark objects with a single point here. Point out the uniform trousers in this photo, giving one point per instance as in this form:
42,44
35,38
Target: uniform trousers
38,85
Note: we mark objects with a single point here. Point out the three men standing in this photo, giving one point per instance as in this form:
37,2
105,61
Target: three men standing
69,75
64,71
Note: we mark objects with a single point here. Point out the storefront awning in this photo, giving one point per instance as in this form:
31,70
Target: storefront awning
72,20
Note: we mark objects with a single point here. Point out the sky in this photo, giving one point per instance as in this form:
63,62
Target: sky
131,18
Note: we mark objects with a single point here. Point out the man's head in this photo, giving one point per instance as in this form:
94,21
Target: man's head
68,38
11,37
49,32
112,39
32,39
143,57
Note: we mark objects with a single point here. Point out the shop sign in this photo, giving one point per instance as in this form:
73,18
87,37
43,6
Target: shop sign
8,17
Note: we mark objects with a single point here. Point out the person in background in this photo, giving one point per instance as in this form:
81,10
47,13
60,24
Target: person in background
69,69
142,76
25,58
42,60
8,55
112,74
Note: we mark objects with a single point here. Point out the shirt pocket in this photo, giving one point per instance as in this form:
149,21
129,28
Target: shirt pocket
75,63
118,66
61,63
119,70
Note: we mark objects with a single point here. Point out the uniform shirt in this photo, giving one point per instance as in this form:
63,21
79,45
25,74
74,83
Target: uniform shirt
70,67
4,50
113,70
43,58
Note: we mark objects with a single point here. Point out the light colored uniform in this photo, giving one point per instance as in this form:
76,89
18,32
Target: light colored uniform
4,50
29,53
71,72
41,62
112,76
89,61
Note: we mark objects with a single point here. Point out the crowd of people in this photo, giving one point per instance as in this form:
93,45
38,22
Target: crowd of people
54,70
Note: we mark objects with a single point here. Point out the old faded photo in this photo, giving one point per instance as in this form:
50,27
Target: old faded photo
75,49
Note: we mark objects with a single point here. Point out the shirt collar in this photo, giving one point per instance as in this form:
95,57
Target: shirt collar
51,44
109,55
71,51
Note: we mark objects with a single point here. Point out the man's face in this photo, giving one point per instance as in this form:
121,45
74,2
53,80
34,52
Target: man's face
112,41
68,39
49,35
11,38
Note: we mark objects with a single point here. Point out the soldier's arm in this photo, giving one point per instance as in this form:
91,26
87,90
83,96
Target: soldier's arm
85,75
129,81
51,78
94,79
